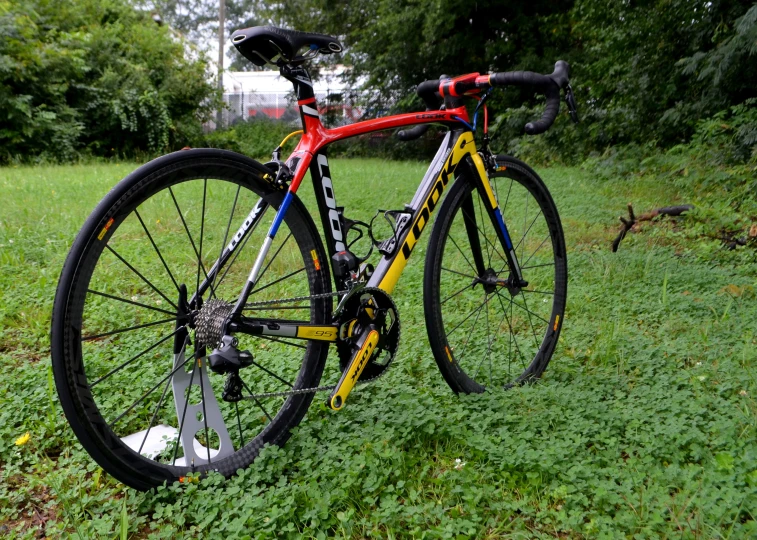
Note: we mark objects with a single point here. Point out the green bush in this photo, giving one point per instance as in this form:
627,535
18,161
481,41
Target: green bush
256,137
96,78
721,159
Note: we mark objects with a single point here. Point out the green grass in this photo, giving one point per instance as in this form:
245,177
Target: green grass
644,425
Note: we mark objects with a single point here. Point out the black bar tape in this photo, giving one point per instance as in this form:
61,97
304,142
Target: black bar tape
549,115
549,85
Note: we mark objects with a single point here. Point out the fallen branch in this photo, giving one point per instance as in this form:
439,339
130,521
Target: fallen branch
628,224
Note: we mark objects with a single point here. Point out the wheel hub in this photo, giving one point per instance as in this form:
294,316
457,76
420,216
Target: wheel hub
490,282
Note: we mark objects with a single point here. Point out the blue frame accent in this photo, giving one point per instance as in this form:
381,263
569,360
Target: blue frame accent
502,227
280,214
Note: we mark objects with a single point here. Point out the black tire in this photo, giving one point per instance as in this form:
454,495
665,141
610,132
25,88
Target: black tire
460,310
202,183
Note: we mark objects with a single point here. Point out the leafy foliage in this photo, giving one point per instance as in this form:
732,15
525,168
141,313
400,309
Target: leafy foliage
94,77
643,72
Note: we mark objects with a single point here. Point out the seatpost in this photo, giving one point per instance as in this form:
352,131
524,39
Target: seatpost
303,88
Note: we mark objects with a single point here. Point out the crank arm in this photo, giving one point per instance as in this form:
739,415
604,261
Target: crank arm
365,347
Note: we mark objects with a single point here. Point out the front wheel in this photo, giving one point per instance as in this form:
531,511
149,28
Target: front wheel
484,331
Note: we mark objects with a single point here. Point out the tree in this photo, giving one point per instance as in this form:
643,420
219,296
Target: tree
644,71
98,77
198,21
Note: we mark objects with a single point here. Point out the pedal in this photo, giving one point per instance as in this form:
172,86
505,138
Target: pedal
365,347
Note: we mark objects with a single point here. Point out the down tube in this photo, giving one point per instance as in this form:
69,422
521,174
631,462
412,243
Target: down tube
455,147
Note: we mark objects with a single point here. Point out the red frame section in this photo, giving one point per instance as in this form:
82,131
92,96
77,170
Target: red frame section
316,135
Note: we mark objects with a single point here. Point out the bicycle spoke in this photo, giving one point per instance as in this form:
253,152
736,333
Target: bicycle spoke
538,248
132,302
536,266
461,253
280,280
154,415
202,234
489,346
504,209
527,230
488,352
160,402
459,273
191,240
525,218
239,425
143,278
186,404
239,249
137,327
523,308
274,257
269,338
535,291
467,339
531,322
151,347
512,333
226,235
155,246
150,391
455,294
255,399
466,318
272,374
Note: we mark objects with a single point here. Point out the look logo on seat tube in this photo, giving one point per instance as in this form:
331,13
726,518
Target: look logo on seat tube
328,195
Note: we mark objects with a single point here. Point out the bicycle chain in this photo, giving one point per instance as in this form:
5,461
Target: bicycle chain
314,390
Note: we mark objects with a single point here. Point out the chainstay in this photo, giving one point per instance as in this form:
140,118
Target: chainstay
316,389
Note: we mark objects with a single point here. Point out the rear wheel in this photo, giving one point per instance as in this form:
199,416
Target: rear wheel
128,364
485,333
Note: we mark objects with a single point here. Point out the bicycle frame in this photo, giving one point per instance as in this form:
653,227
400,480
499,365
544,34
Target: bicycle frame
458,149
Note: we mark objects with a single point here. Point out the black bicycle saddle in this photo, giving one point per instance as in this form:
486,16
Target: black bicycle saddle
262,44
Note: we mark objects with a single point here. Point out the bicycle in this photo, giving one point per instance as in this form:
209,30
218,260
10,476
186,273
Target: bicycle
126,325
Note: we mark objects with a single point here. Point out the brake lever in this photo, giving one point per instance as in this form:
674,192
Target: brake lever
570,100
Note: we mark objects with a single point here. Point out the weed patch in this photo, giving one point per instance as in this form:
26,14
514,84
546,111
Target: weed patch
644,425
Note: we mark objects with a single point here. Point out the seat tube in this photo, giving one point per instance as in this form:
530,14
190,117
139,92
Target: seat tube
303,87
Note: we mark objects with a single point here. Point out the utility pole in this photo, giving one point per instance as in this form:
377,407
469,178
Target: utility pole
221,40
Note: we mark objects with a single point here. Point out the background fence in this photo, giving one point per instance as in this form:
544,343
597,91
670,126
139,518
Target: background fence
336,109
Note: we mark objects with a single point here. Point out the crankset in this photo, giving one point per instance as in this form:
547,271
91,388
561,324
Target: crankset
370,306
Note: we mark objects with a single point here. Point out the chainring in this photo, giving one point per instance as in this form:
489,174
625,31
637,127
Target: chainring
385,316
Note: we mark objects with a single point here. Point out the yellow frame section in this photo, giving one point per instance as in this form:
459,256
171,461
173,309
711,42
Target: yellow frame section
350,377
318,333
465,146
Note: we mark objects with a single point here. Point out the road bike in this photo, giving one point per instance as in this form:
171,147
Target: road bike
197,306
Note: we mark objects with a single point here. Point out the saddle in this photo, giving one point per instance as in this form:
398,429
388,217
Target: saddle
270,45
